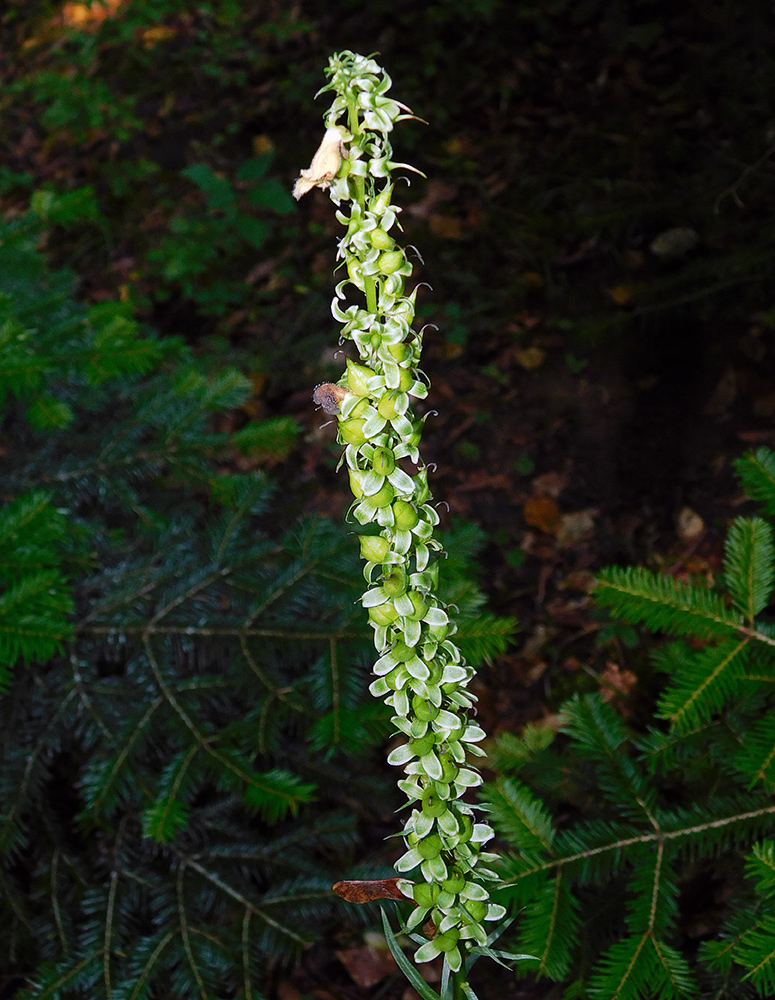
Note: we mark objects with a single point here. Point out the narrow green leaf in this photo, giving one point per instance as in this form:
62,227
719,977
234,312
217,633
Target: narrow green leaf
404,964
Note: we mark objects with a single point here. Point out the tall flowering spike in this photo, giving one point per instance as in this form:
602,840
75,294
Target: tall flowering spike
419,672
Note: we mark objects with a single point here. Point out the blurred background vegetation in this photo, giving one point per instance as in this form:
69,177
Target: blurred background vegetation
597,234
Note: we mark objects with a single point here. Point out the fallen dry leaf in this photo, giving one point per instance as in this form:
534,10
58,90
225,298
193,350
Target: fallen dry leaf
576,525
723,395
367,965
615,682
690,525
530,357
445,226
542,512
356,891
550,484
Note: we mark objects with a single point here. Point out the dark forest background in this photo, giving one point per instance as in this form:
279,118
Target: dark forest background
595,235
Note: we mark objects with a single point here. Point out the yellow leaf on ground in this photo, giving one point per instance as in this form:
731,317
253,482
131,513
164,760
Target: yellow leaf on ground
530,357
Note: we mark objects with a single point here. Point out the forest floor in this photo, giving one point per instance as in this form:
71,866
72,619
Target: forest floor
592,381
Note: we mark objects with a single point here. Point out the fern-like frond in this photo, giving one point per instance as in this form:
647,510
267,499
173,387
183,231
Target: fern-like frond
663,604
749,565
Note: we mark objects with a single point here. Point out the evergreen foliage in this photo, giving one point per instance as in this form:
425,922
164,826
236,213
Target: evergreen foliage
186,721
609,827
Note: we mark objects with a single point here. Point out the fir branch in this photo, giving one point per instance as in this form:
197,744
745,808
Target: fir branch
662,604
757,471
749,565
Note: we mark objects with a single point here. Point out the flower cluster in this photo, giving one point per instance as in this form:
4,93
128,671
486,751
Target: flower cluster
420,672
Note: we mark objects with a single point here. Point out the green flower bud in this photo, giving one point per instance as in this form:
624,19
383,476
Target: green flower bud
351,431
383,461
354,270
390,261
466,828
374,548
382,201
381,240
357,378
430,847
384,495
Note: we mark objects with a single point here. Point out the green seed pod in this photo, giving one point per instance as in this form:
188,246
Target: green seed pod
381,240
357,378
383,461
383,614
406,517
447,941
355,476
390,261
422,707
351,431
432,805
449,770
477,909
405,380
422,746
453,884
399,351
430,847
425,895
374,548
387,407
466,828
382,201
394,676
384,495
420,605
394,584
401,652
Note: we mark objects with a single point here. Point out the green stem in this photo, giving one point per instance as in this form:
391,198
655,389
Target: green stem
354,125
